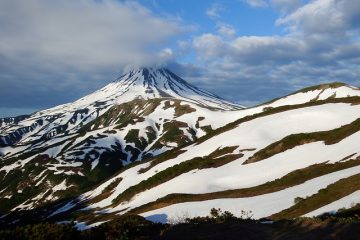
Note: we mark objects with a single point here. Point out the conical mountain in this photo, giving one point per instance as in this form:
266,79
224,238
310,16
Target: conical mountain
141,114
150,83
191,151
295,156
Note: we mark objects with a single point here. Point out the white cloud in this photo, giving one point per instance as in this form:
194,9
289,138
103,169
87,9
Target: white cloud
166,55
226,30
70,46
81,34
48,48
322,45
286,6
209,46
257,3
321,16
214,11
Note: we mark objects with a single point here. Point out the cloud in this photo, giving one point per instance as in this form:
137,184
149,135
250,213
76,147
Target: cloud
226,30
257,3
214,11
286,6
166,55
82,33
52,52
51,47
321,16
209,46
321,45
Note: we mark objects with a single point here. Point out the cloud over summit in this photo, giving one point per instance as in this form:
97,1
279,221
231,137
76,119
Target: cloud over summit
320,44
52,52
69,46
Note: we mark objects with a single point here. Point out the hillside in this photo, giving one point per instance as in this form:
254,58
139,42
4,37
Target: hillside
269,162
209,228
168,155
60,152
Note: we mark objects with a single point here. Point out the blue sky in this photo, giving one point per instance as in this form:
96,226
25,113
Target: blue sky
246,19
247,51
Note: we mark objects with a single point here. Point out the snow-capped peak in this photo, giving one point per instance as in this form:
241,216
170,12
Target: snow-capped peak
144,83
149,83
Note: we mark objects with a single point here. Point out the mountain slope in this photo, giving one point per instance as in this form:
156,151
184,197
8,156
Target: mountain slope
183,155
59,152
297,165
315,93
142,83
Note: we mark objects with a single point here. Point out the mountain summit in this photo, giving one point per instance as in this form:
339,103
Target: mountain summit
140,115
150,83
184,149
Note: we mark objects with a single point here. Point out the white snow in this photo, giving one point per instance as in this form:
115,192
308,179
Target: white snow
303,97
262,205
61,186
83,226
345,202
236,176
257,133
17,164
65,208
297,98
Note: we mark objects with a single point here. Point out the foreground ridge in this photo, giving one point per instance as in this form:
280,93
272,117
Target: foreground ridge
161,155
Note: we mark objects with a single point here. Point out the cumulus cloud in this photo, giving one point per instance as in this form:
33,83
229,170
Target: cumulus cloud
226,30
257,3
286,6
49,47
214,11
75,44
210,46
82,33
321,16
321,45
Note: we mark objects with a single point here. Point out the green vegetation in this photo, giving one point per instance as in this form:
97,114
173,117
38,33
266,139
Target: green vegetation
322,87
128,114
352,213
41,231
108,190
172,134
323,197
162,158
349,100
124,228
124,114
219,225
291,179
219,216
312,88
21,186
179,109
291,141
151,134
216,159
133,137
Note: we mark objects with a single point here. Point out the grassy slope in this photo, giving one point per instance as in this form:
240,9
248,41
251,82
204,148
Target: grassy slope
291,179
351,100
137,228
218,131
291,141
158,179
216,159
325,196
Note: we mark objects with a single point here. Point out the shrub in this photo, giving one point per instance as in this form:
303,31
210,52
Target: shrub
298,199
